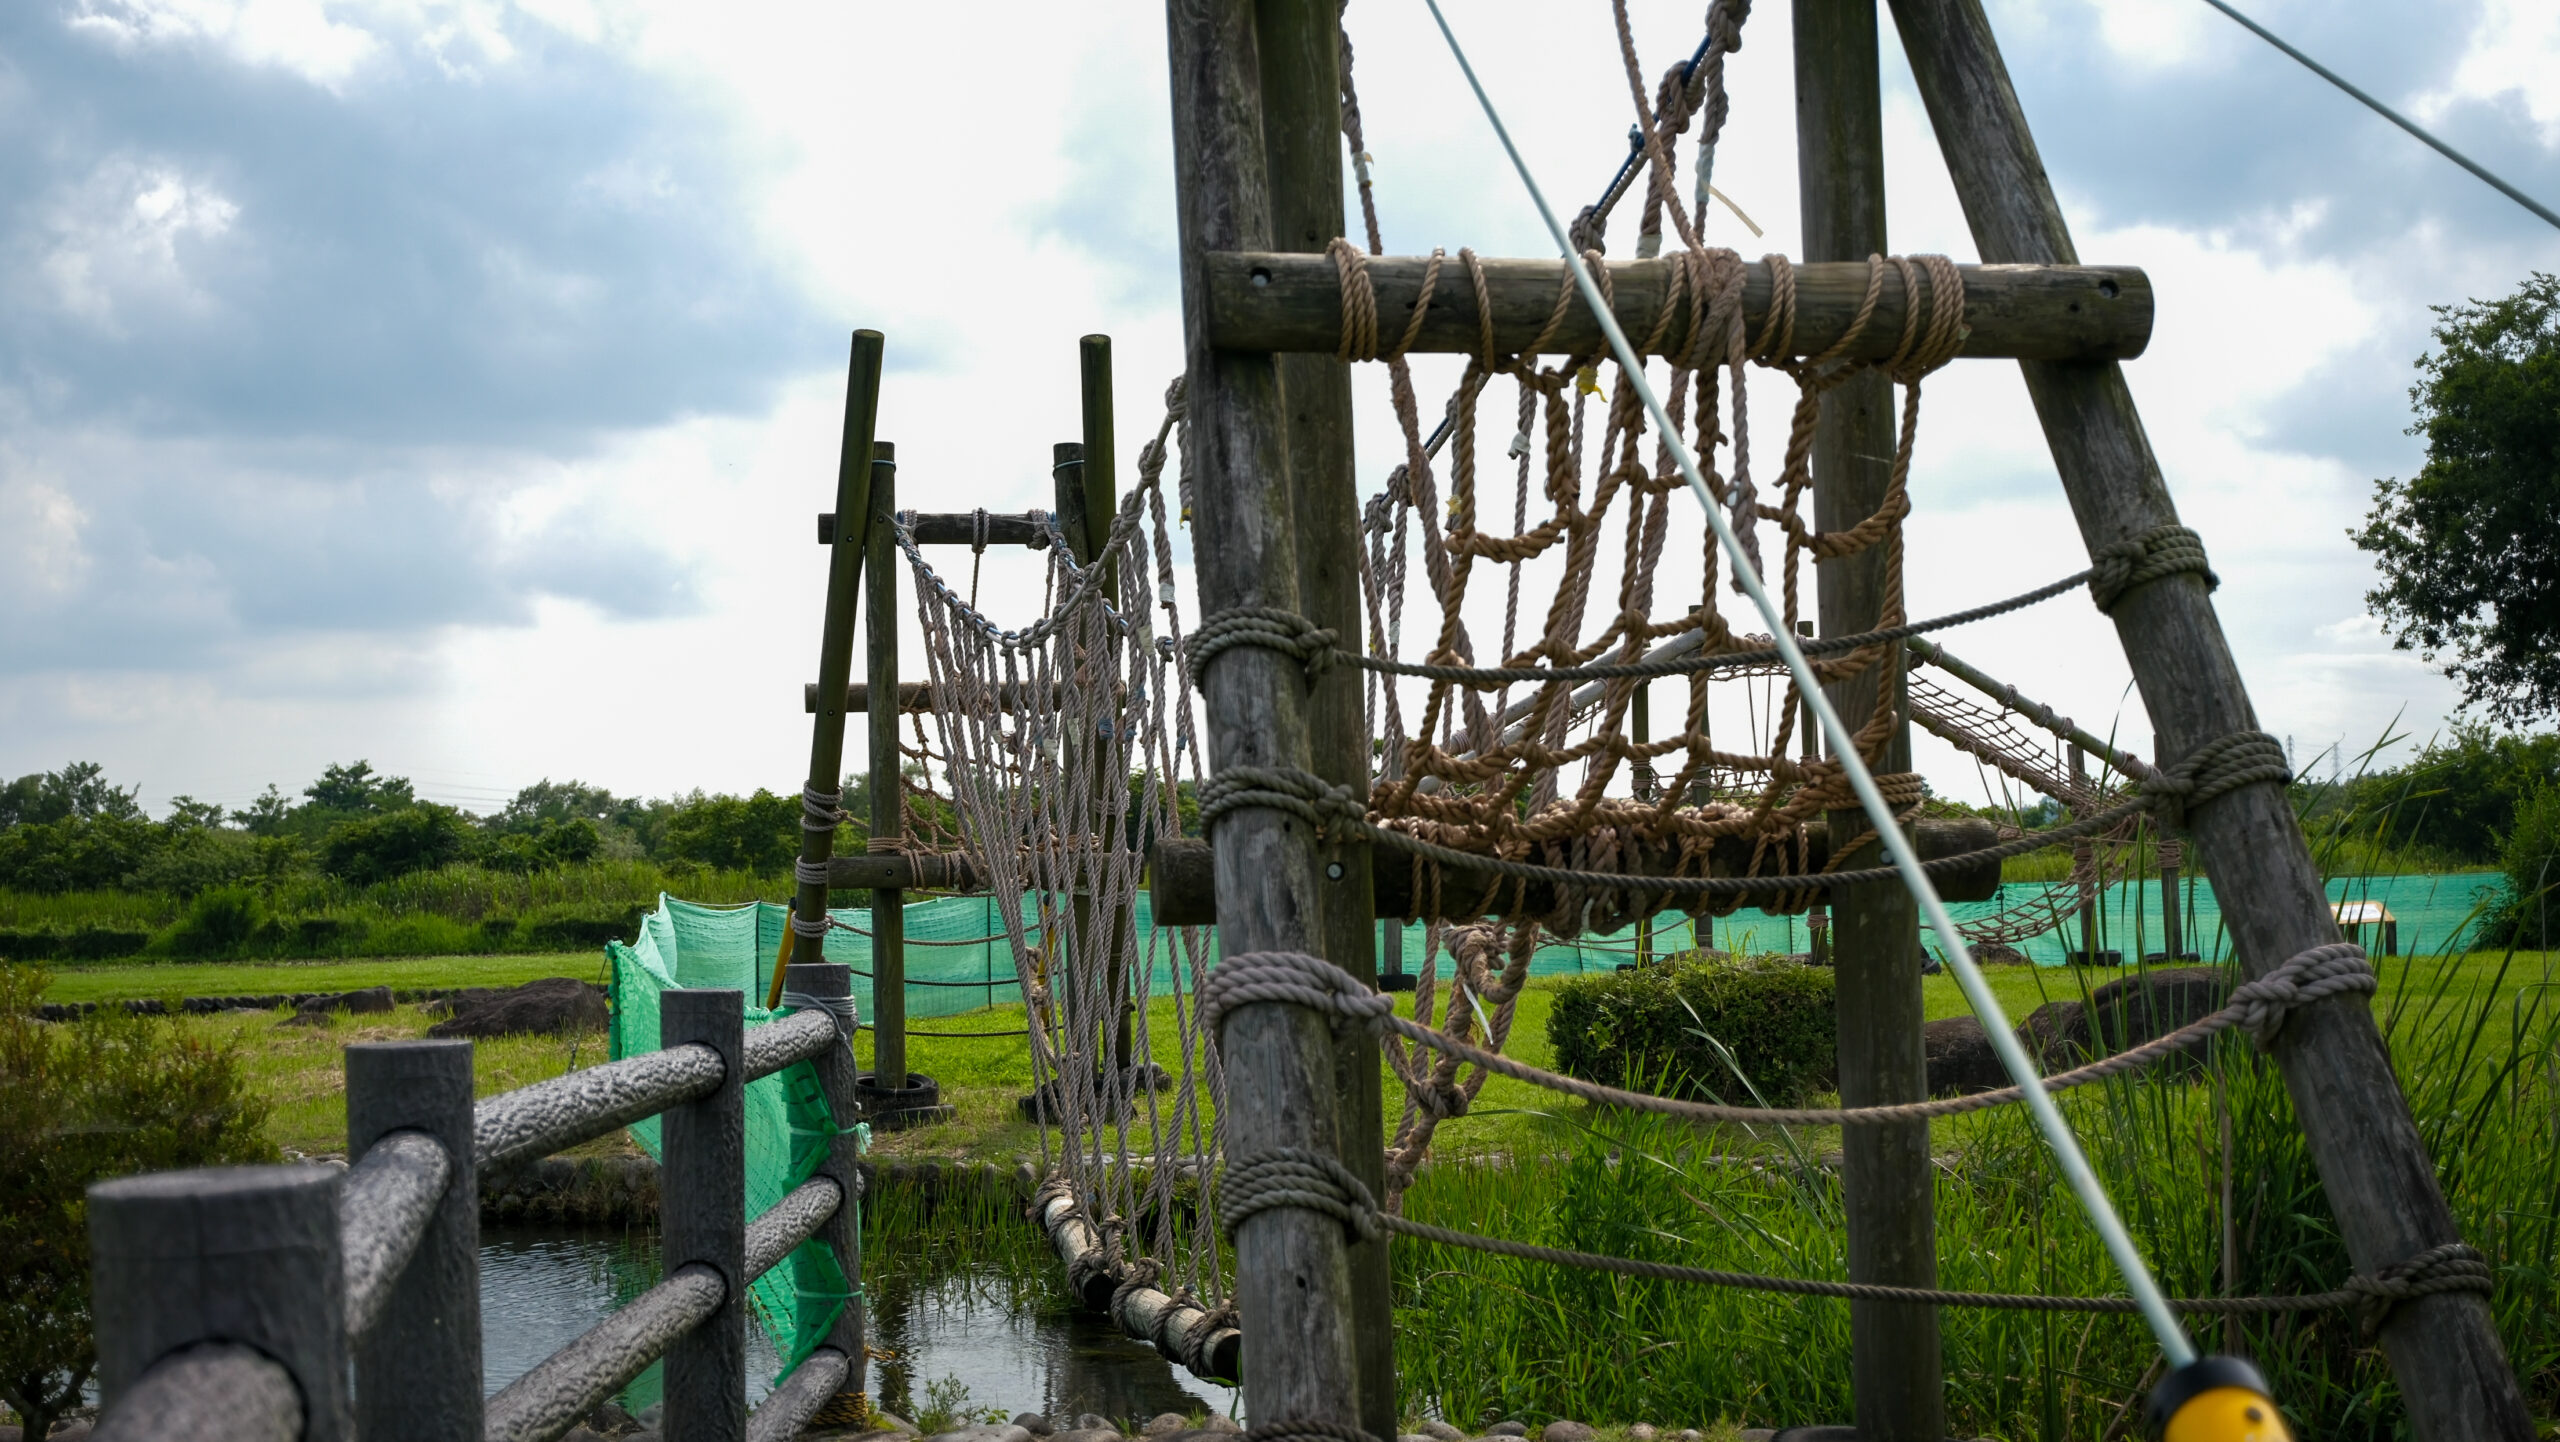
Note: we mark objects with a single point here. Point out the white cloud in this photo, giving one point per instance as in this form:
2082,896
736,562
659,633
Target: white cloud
296,35
121,238
2513,55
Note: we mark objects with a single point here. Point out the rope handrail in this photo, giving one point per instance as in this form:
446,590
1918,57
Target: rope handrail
777,1044
215,1391
789,1222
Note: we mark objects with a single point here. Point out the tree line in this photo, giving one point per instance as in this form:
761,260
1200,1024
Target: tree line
75,830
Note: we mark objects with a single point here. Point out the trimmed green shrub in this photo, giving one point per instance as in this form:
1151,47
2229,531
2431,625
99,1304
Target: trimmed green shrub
1657,1028
83,943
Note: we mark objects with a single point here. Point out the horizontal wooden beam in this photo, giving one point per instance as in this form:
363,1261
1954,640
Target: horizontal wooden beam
1267,302
958,528
918,696
902,871
912,696
1181,886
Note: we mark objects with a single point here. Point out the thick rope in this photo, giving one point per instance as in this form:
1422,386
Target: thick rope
1295,1177
1328,808
1298,979
1269,628
2159,552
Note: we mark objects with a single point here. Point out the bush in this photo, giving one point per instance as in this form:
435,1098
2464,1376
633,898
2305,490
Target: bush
199,859
80,1103
2531,859
218,923
581,933
759,833
76,853
1649,1029
395,843
85,943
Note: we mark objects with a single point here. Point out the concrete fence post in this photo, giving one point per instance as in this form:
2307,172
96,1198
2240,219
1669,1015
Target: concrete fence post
703,1205
247,1256
417,1369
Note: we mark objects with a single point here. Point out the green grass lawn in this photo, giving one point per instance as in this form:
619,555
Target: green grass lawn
301,1069
125,980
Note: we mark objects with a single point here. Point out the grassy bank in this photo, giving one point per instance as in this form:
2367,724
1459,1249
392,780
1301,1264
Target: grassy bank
165,980
2473,1038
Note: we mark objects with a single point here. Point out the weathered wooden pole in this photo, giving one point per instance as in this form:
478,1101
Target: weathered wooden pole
835,644
1640,730
702,1208
1116,933
889,1072
2444,1349
843,1161
1301,50
417,1370
1896,1371
2173,936
1293,1275
2085,860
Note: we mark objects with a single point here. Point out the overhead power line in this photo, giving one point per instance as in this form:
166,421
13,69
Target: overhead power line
2387,113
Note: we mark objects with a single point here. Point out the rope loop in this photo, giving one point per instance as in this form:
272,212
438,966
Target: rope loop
1293,977
1296,1177
1327,808
820,810
2161,551
2224,764
847,1015
1271,628
2452,1267
2337,969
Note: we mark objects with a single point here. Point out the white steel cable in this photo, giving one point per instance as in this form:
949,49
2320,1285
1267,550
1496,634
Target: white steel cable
2084,1183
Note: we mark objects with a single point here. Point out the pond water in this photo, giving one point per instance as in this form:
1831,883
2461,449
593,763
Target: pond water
1011,1341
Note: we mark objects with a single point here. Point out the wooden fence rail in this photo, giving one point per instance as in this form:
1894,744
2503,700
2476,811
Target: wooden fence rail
236,1303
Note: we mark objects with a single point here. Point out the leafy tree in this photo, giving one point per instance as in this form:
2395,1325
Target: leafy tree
75,853
551,843
270,815
560,801
2459,796
354,789
738,833
100,1098
188,814
78,791
2469,548
195,859
417,837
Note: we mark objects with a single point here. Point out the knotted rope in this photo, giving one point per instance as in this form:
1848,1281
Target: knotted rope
1269,628
2337,969
2219,766
2161,551
1296,1177
1328,808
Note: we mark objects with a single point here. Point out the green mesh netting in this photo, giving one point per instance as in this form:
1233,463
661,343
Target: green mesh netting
684,946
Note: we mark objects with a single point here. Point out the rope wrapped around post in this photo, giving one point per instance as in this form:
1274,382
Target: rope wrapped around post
2159,552
819,811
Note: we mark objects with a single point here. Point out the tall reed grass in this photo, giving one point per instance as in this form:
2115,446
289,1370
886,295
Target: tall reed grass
2476,1056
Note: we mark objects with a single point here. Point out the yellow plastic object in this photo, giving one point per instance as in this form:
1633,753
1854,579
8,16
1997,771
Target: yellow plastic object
2227,1414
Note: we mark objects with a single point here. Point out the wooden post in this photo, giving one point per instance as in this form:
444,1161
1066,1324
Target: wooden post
1101,477
835,644
1293,1278
843,1162
2443,1349
2085,851
2172,930
417,1372
702,1206
1896,1371
1301,52
240,1255
1640,730
888,797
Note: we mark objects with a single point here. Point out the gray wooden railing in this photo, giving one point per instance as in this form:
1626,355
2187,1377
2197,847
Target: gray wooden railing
242,1302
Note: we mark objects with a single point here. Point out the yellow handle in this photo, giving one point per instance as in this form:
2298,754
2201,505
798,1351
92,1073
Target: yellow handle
781,959
2228,1414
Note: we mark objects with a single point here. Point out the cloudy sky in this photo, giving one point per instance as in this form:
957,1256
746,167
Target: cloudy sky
449,382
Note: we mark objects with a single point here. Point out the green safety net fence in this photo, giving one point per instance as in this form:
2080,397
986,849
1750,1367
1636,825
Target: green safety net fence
789,1127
